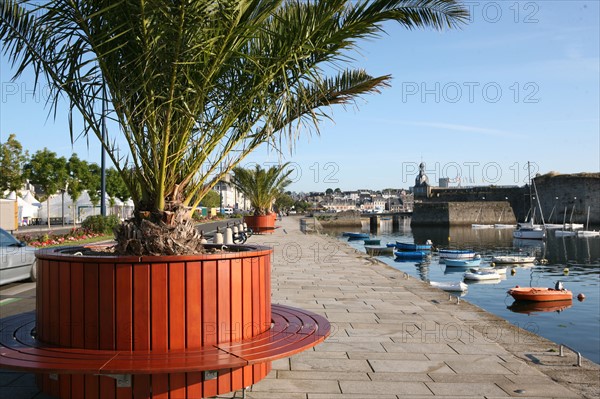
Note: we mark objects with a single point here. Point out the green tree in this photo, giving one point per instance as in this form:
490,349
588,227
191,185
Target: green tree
302,206
92,184
198,85
212,199
78,171
262,186
12,160
49,172
284,203
329,191
115,185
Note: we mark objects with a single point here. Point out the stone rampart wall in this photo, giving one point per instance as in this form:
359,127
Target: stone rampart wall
554,192
579,191
462,213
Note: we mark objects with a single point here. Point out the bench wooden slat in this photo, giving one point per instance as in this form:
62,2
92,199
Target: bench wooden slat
293,330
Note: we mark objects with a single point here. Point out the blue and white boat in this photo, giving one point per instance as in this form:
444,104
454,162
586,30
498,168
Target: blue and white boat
456,254
403,246
410,254
357,236
475,261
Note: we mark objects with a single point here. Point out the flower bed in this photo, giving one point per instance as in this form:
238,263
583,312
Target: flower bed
48,239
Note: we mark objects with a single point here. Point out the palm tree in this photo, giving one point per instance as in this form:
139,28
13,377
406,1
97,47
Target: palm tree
262,187
197,85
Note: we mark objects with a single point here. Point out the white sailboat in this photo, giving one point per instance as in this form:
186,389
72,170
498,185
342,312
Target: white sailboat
587,232
529,230
564,232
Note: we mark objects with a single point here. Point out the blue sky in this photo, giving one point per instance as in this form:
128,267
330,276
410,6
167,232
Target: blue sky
519,83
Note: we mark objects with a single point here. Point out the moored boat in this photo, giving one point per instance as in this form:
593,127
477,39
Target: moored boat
482,275
482,226
513,259
456,253
539,294
357,236
376,250
452,286
504,226
564,233
373,241
500,270
475,261
410,254
403,246
588,233
530,231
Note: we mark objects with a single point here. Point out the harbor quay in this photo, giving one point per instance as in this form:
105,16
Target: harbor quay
392,335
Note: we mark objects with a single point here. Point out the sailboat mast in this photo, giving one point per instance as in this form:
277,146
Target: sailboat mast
537,198
530,194
587,221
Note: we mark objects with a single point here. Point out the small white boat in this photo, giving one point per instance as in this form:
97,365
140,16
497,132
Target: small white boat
453,286
568,226
564,233
504,226
513,259
482,226
499,270
530,231
456,254
482,275
475,261
588,233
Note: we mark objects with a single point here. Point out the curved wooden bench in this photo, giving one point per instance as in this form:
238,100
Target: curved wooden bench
292,331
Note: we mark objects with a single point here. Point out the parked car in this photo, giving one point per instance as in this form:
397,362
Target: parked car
17,259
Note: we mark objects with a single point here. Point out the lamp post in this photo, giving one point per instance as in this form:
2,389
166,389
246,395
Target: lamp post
62,207
221,197
103,154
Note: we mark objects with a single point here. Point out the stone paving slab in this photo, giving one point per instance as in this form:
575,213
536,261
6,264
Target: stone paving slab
466,389
400,388
393,336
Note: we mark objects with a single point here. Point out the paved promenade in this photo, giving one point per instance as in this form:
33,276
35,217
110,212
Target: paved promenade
392,336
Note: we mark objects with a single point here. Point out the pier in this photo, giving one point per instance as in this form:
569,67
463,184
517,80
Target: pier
375,219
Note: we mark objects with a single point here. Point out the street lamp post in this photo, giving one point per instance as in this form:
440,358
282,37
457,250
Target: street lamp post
103,154
62,208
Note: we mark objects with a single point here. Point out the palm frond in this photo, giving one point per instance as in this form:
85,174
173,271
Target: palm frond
196,86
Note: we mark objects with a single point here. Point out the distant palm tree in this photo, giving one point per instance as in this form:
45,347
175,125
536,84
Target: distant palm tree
195,86
262,186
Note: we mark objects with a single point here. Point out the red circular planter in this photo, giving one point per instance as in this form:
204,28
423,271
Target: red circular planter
152,304
261,223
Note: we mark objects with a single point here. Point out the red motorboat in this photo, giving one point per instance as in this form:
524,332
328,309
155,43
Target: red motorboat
540,294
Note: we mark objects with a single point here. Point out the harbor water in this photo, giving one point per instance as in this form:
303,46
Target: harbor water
573,261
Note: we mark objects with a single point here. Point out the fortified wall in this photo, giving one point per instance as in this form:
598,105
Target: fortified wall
555,193
462,213
575,192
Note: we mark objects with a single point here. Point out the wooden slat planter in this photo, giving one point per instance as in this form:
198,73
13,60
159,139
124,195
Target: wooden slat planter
261,224
162,319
